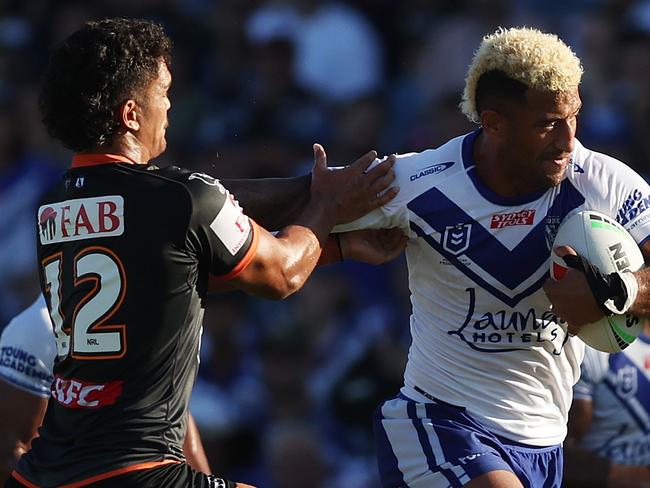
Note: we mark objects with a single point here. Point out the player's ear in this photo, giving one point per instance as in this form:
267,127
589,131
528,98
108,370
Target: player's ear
492,122
127,114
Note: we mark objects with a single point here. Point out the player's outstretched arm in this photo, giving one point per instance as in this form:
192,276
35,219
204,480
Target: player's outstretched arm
272,202
283,263
276,202
372,246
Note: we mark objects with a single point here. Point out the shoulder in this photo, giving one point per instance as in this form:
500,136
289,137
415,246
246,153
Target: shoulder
610,186
193,181
594,166
203,190
417,172
598,171
32,327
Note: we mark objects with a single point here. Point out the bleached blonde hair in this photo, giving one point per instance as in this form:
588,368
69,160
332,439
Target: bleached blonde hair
532,57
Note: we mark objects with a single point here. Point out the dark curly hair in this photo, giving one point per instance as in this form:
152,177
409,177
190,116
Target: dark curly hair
95,70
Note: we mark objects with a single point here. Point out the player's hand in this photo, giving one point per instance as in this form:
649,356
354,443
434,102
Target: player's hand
571,297
372,246
353,190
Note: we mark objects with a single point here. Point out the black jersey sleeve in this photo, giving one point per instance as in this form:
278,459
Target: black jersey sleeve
219,231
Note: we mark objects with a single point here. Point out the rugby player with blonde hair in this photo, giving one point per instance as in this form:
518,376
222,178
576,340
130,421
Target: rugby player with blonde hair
491,366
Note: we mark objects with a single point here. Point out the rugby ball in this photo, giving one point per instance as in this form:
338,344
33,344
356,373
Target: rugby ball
605,243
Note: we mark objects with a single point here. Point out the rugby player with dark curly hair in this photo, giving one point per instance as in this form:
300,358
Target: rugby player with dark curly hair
127,252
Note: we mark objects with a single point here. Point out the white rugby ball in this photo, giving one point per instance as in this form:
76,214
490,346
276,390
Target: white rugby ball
605,243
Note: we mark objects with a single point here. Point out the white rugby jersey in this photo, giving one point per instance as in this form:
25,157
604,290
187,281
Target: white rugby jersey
484,336
27,350
618,385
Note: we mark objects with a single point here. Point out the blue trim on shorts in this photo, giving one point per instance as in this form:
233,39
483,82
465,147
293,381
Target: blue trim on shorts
426,445
469,448
388,467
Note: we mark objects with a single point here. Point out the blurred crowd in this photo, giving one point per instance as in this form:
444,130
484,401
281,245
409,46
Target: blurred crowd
286,390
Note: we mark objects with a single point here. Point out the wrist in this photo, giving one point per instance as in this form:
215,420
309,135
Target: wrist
331,251
614,293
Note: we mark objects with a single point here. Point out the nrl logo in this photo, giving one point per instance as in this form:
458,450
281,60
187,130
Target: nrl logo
455,238
626,382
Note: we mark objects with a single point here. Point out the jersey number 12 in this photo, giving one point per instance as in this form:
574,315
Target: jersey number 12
89,334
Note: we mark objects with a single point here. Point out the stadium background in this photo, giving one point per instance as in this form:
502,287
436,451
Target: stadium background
286,389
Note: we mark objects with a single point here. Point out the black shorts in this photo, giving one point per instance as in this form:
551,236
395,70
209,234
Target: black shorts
179,475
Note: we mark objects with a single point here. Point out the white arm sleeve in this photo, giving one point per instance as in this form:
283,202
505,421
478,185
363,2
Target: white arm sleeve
394,213
27,350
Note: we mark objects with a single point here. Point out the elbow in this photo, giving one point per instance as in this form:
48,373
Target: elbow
284,286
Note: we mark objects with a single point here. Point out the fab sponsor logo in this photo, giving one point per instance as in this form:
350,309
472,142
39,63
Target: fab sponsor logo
83,218
523,217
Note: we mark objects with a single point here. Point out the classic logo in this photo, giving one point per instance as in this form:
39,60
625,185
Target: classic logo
431,170
523,217
455,238
82,218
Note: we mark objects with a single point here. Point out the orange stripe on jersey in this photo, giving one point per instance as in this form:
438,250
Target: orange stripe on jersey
16,475
103,476
248,257
117,472
83,160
